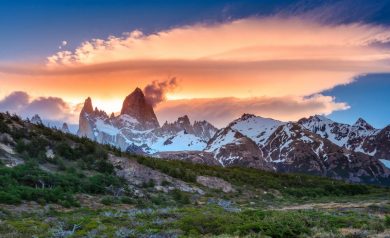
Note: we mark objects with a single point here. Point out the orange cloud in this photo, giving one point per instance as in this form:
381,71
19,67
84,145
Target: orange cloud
221,111
50,108
267,58
243,40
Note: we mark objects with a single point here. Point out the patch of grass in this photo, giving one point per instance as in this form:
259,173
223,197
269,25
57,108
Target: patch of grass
297,186
29,182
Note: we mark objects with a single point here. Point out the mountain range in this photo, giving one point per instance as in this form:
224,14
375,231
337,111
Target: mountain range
314,145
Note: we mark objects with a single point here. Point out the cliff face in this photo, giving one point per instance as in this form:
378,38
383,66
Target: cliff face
137,130
136,106
85,124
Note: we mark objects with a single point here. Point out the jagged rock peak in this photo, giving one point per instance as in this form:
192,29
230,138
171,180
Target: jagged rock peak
361,123
36,119
320,118
246,116
136,106
87,108
184,120
315,119
182,123
65,128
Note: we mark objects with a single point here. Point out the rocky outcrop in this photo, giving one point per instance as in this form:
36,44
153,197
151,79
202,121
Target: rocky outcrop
87,108
199,157
86,120
201,129
215,183
231,148
181,124
36,119
136,106
65,128
204,129
137,174
136,129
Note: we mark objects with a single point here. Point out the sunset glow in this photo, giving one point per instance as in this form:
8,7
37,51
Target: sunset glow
251,58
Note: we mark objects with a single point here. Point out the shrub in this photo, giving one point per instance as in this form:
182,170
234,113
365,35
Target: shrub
387,220
108,200
4,127
104,166
64,150
165,183
9,198
127,200
181,197
149,184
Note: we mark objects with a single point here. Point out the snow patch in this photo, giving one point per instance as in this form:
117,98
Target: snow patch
258,129
385,162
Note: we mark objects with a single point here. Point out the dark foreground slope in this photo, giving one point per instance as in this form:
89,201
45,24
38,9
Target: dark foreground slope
57,185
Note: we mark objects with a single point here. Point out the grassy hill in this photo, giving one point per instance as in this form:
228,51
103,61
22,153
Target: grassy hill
54,184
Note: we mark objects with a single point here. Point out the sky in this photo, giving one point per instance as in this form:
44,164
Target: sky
284,59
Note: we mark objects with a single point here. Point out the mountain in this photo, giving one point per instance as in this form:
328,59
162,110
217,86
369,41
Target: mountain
36,119
359,137
137,129
55,184
269,144
314,145
136,106
65,128
231,148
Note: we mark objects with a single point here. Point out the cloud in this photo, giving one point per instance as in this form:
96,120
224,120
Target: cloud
272,38
269,56
63,44
221,111
48,108
272,59
14,101
156,91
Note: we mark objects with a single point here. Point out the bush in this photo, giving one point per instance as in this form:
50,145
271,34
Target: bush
29,182
4,127
207,223
149,184
9,198
387,221
127,200
181,197
64,150
104,166
109,200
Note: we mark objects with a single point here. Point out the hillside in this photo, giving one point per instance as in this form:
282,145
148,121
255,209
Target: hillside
54,184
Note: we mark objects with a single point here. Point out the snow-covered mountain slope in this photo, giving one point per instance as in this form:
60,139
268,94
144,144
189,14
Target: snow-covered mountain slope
315,145
290,147
179,141
229,147
359,137
257,128
137,130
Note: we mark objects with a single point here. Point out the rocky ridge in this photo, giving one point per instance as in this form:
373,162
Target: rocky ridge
314,145
137,129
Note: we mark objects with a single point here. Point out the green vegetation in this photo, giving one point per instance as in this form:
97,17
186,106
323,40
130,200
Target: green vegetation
192,221
291,185
29,182
64,171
